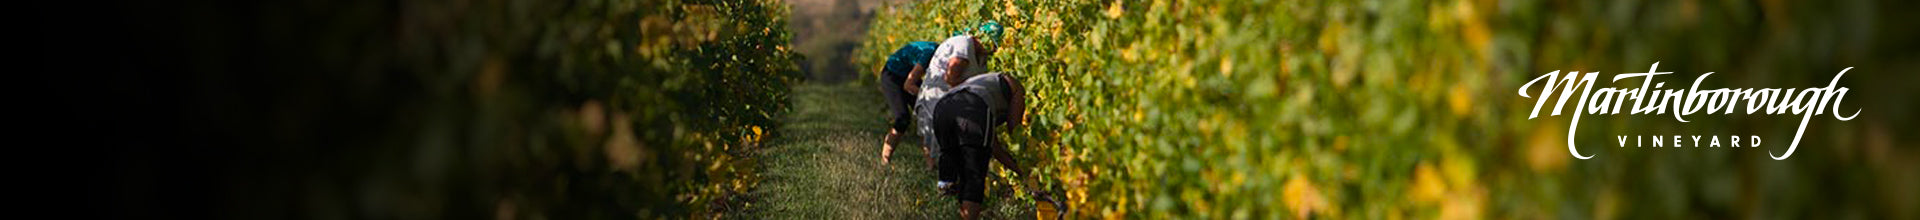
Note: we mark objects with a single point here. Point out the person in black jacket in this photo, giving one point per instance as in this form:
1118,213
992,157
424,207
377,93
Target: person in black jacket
964,122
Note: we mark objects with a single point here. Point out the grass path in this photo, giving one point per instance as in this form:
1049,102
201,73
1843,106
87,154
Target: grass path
824,164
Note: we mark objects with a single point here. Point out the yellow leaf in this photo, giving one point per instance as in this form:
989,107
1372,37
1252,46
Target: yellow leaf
1427,185
1474,29
1114,11
1543,149
1460,100
1302,197
1226,67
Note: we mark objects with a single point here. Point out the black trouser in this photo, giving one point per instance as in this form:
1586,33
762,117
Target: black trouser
962,127
899,103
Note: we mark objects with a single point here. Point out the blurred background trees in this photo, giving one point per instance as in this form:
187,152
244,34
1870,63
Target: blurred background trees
433,109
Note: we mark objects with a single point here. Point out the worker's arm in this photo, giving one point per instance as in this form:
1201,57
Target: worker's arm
1017,113
1000,153
913,79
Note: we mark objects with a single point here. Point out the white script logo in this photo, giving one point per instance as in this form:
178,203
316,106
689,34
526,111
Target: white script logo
1649,99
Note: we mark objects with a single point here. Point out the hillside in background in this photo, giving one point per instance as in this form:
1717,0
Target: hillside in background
827,31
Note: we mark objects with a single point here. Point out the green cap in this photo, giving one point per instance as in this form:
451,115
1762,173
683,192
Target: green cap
990,31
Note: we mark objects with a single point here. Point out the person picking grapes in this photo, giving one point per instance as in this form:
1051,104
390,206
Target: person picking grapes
964,122
963,56
910,60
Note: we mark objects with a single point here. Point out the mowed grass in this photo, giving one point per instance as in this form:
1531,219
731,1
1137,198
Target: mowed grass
824,164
